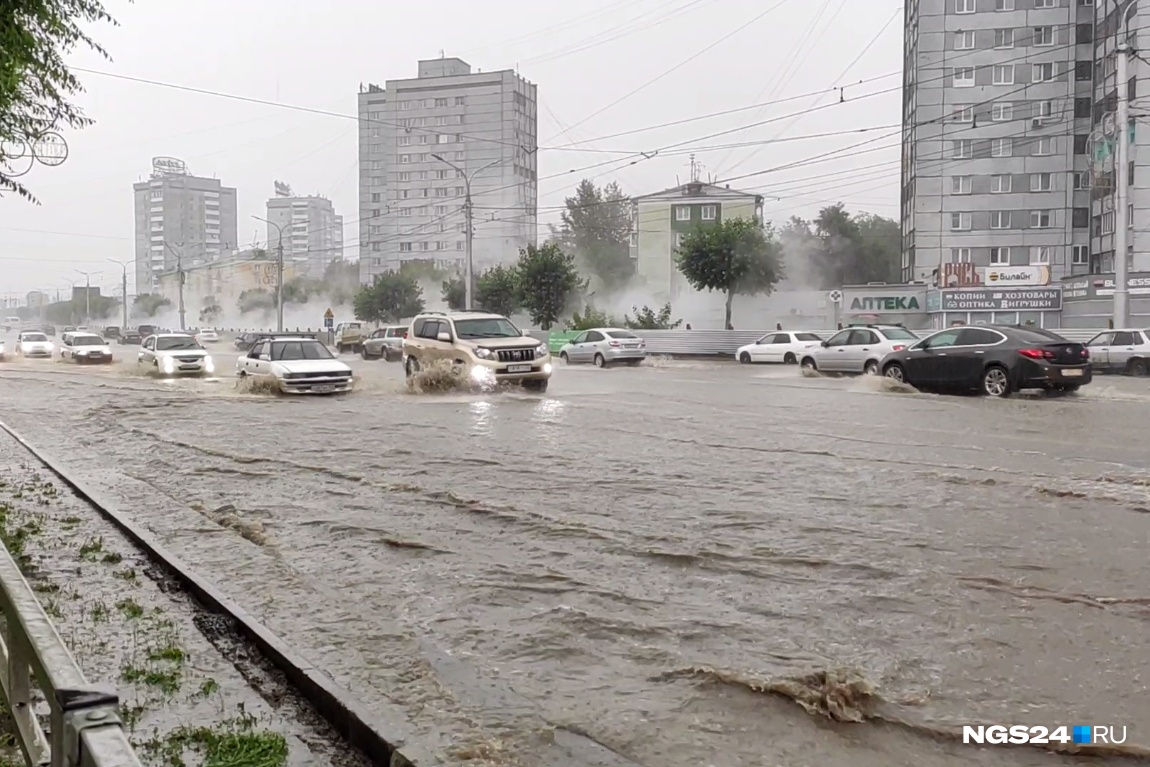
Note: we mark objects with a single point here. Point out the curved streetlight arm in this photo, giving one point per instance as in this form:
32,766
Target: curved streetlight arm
469,264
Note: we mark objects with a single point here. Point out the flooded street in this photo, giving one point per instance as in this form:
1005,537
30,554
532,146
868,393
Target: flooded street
666,561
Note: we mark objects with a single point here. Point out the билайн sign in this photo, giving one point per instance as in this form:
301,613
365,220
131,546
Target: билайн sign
1003,300
885,304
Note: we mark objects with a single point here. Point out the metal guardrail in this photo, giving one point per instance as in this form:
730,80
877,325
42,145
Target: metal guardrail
85,725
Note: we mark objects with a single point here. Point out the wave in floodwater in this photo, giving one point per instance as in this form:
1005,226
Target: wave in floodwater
882,384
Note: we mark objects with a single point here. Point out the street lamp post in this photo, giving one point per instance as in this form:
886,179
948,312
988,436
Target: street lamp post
468,267
87,295
279,273
1121,180
124,285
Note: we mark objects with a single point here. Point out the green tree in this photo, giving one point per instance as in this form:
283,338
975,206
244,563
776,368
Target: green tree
424,269
256,300
596,227
392,297
455,294
548,282
35,83
738,256
340,281
298,290
591,318
497,291
149,304
211,311
839,248
648,319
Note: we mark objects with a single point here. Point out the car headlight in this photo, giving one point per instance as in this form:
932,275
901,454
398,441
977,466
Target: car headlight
483,354
169,365
542,350
209,365
49,346
82,353
482,375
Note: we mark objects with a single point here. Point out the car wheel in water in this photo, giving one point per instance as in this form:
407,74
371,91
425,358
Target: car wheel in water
996,382
1136,367
894,371
809,364
600,361
363,352
871,368
563,357
745,358
535,384
789,359
412,367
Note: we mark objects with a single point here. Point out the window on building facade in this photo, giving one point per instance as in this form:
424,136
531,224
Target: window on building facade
1041,219
963,113
999,256
1080,142
1000,219
1045,3
709,212
1080,255
682,213
1078,180
405,140
1041,182
1002,112
1001,147
1004,5
960,149
1043,37
959,221
963,77
1001,184
1043,73
1004,38
1040,254
1004,74
964,6
960,255
1043,147
960,184
460,100
964,41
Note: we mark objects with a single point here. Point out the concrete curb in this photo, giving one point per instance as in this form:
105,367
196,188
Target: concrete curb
337,706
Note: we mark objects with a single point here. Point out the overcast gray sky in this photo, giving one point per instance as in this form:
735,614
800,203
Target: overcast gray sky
725,55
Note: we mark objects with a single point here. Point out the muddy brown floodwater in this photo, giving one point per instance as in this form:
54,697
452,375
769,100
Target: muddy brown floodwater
685,564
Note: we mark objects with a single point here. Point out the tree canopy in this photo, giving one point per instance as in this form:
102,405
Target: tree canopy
497,291
596,228
647,318
455,294
840,248
36,86
392,297
149,304
736,256
548,281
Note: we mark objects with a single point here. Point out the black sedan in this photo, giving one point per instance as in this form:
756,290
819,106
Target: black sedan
997,360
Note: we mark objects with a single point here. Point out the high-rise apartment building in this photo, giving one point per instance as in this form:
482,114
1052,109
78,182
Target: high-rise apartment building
312,232
420,140
180,218
997,107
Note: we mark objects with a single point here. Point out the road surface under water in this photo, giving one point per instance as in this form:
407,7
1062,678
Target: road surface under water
661,560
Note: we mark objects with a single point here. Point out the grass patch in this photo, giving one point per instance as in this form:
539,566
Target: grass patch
166,681
236,743
127,574
130,608
91,548
112,558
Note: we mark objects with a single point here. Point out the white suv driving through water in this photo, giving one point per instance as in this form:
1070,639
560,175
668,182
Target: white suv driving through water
488,347
857,349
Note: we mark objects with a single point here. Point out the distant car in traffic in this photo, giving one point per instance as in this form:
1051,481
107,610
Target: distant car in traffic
85,348
997,360
10,323
112,331
175,354
1120,351
297,365
384,343
245,341
130,337
32,344
207,336
604,346
857,349
48,329
781,346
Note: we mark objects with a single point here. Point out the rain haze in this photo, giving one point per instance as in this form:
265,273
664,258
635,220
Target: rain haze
660,486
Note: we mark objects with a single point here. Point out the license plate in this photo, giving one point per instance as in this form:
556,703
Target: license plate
1071,373
518,368
325,389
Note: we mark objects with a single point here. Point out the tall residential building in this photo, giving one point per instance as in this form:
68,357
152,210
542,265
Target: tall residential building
419,140
1110,24
180,217
997,101
312,232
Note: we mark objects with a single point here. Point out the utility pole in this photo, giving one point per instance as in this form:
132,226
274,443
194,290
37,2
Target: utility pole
180,277
469,265
124,286
1121,177
87,295
279,273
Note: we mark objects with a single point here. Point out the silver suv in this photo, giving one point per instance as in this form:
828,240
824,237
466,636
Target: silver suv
488,346
857,349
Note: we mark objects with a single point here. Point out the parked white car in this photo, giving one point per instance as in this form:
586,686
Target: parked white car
857,349
34,344
85,348
298,365
207,337
174,354
781,347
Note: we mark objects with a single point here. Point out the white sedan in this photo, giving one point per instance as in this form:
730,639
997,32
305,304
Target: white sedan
85,348
207,336
297,365
32,344
174,354
780,346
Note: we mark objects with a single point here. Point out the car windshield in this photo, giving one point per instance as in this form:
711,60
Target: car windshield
807,337
34,337
899,334
495,327
174,343
283,351
621,334
87,341
396,332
